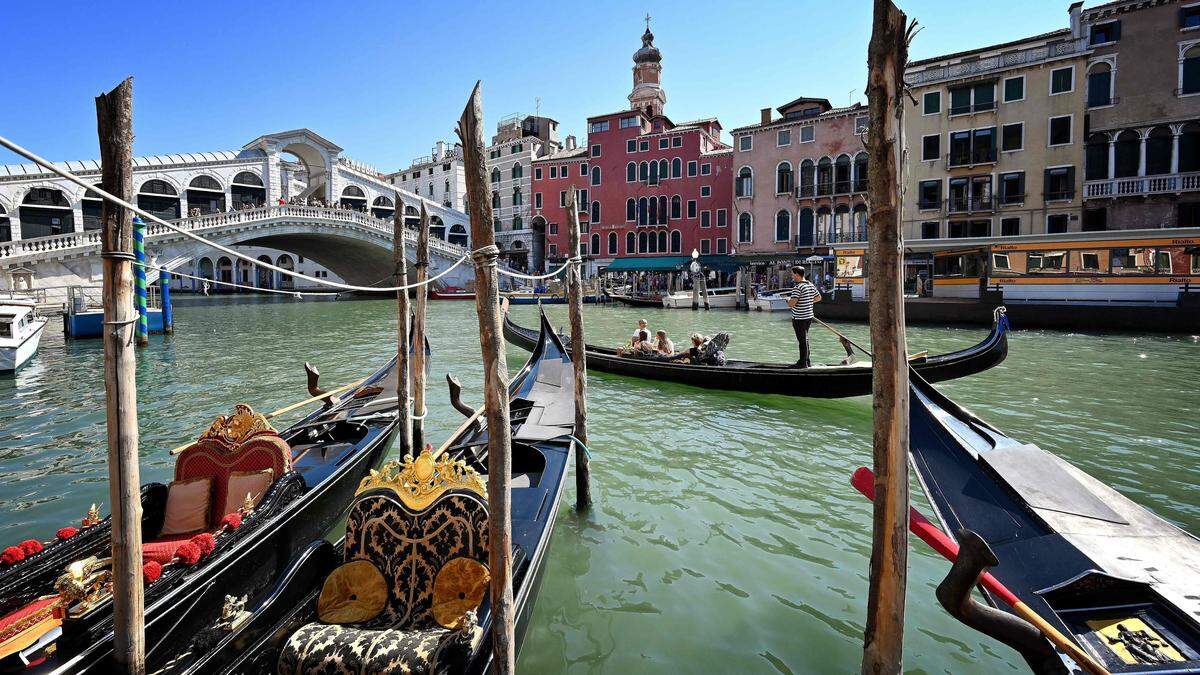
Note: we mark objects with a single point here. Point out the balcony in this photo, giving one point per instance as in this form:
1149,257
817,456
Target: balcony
1060,195
806,192
968,109
825,189
976,156
970,204
850,235
1138,186
1002,61
841,187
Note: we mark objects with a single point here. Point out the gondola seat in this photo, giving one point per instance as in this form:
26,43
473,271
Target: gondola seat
420,524
236,444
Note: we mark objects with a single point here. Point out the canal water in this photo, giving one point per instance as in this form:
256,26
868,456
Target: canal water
725,536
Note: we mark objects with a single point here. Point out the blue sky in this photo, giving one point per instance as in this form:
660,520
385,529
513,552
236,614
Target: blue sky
386,79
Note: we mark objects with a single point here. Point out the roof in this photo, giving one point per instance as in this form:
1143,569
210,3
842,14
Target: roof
1062,32
147,162
804,99
318,138
783,121
563,154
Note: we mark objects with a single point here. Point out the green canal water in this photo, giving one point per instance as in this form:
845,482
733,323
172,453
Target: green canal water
725,537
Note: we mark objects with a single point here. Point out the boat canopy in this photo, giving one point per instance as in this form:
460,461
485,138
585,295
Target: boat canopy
671,263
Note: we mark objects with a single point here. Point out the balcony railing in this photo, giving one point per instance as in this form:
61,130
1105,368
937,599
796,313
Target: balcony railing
970,204
806,191
973,108
1003,61
850,235
842,187
824,189
975,156
1143,185
1060,195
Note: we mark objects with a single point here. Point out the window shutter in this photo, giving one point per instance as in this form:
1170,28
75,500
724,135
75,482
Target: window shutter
1020,185
1046,184
1071,180
1116,31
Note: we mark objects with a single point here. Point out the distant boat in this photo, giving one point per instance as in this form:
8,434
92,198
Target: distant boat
452,293
718,298
770,301
638,300
20,332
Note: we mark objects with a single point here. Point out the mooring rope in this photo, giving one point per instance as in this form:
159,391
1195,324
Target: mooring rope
229,283
570,261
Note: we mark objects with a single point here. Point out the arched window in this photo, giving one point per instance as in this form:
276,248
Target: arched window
743,185
652,218
630,210
1127,153
205,271
805,235
382,207
643,212
662,210
517,171
205,195
595,215
496,174
630,172
860,172
859,221
841,223
595,175
517,223
159,187
496,223
224,270
643,247
654,173
156,196
210,183
245,178
516,198
676,168
676,207
745,228
662,241
783,226
495,200
643,172
841,175
651,243
595,244
825,223
630,243
45,212
1158,151
676,241
1099,85
808,174
825,176
458,235
91,205
612,243
1189,71
247,190
662,169
1096,157
783,178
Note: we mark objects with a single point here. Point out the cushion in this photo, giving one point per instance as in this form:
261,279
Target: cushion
187,507
353,593
162,549
324,648
206,457
459,588
241,483
23,626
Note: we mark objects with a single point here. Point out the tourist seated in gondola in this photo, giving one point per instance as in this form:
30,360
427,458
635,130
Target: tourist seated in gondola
639,342
705,351
663,345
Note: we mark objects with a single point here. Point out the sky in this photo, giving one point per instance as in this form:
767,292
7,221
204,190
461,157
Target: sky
386,79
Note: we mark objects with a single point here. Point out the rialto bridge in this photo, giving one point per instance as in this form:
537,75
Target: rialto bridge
292,191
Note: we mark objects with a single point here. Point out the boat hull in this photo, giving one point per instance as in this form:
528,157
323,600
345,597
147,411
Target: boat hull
771,303
633,301
715,301
17,355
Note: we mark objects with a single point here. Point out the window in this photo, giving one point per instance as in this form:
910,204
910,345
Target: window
691,208
1010,227
496,175
783,138
808,134
745,143
970,98
516,197
1062,80
722,245
595,214
860,124
1099,85
553,172
676,207
1012,137
705,246
677,142
583,169
643,172
1060,183
644,146
664,143
629,122
745,228
598,127
1014,89
630,172
630,243
537,200
929,194
537,173
743,184
722,218
959,229
595,175
1056,223
783,226
1104,33
705,219
1189,17
612,243
1095,220
1012,187
517,224
1189,71
631,145
562,199
676,168
517,171
1060,131
692,166
705,169
630,210
931,147
977,146
596,150
553,250
783,178
705,190
932,103
930,229
495,200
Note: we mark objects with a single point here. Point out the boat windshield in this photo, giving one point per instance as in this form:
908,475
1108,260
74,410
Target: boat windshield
6,323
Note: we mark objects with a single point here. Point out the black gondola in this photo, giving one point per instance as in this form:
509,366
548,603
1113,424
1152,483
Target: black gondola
767,378
1115,578
328,613
638,300
56,604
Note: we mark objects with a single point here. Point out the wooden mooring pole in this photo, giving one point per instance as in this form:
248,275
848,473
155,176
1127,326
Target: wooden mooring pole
419,366
400,276
495,386
114,125
883,645
583,471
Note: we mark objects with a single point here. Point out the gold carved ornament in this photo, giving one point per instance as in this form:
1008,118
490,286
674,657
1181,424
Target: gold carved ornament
419,482
87,582
230,430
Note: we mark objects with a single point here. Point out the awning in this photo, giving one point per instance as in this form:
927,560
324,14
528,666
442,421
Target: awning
719,263
662,263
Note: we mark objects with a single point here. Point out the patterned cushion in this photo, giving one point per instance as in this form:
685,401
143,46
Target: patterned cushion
331,649
206,457
161,550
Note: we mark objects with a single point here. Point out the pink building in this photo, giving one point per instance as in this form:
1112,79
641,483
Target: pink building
800,181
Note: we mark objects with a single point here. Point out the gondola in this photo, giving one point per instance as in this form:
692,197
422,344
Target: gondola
204,543
391,596
766,378
1110,575
639,300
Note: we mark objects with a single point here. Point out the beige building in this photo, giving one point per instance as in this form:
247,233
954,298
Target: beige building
1143,115
995,140
519,140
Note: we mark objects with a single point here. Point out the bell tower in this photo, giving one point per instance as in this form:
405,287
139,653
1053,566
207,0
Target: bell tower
647,95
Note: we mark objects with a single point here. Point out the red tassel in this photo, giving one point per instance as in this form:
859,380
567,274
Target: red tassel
233,521
205,542
11,556
31,547
188,553
66,533
151,571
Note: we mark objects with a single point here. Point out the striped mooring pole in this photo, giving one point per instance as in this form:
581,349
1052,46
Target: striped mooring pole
142,334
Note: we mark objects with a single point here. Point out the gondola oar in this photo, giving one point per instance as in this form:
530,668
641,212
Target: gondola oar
863,480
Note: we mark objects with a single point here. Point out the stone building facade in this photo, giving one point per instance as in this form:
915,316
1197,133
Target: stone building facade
438,176
519,141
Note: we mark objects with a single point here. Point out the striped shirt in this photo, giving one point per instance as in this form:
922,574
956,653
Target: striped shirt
804,293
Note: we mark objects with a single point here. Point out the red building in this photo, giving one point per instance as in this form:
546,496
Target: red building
653,187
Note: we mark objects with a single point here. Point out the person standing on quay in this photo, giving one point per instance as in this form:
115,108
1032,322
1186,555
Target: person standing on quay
801,299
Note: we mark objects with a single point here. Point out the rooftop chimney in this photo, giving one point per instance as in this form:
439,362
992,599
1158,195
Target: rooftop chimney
571,143
439,151
766,116
1075,11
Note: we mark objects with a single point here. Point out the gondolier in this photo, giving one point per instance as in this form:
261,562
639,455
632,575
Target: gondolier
801,299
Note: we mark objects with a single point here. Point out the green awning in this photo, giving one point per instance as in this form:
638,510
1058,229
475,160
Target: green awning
662,263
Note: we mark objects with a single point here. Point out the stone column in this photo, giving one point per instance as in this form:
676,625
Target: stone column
1176,132
1142,133
1112,156
14,222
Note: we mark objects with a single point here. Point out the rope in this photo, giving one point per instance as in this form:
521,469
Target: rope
570,261
228,283
46,164
582,445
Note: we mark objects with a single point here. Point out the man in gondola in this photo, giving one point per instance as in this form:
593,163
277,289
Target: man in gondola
801,299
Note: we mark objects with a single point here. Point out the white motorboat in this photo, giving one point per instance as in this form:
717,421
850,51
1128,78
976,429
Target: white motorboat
771,301
20,331
718,298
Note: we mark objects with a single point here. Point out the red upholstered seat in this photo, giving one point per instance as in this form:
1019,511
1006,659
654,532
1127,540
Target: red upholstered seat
161,550
261,451
22,627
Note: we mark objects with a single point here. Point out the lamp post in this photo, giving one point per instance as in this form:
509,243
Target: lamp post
695,270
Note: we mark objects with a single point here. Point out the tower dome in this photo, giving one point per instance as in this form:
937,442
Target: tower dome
648,53
647,95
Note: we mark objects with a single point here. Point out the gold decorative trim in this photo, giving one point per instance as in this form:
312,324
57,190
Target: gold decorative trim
419,482
230,430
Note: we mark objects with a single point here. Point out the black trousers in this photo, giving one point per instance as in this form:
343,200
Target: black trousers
801,327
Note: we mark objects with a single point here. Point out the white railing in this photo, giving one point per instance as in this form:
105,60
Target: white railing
91,238
1002,61
1143,185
